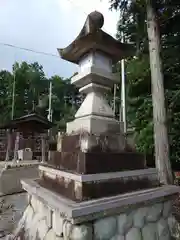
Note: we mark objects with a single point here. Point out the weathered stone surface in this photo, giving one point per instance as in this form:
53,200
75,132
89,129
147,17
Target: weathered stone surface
107,184
118,237
35,203
32,229
39,207
67,227
36,227
149,232
57,223
172,224
50,235
59,238
41,210
82,232
21,223
134,234
105,228
29,215
46,212
139,217
124,223
154,212
37,217
171,221
42,229
29,198
163,229
8,237
167,209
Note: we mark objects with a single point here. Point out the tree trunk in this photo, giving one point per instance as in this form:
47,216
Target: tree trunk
16,147
9,139
43,148
159,112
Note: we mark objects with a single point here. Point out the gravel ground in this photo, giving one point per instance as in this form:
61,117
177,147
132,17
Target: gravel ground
11,210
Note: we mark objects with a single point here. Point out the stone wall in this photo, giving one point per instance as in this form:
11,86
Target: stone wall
150,222
10,177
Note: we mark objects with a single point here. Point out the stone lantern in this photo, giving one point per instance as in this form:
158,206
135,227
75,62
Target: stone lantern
97,187
95,52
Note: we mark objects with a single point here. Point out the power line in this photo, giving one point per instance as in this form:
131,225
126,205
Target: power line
41,52
51,54
54,55
29,49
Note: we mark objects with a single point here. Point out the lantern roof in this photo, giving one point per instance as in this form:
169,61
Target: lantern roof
92,38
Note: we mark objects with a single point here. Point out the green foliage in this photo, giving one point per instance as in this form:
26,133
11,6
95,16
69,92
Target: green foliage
133,24
6,80
32,94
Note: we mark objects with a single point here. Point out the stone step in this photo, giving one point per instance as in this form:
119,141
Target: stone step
94,209
92,186
94,162
85,142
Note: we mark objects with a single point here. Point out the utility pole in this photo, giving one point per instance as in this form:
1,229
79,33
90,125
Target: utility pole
50,102
114,100
123,90
13,94
50,115
50,106
158,99
33,106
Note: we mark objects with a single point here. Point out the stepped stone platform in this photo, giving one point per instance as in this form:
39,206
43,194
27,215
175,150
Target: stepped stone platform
140,215
78,212
86,162
79,154
90,186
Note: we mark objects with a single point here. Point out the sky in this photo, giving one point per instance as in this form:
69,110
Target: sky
45,25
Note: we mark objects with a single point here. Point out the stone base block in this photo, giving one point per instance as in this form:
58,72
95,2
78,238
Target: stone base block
138,215
92,186
12,173
94,125
85,142
90,163
94,209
